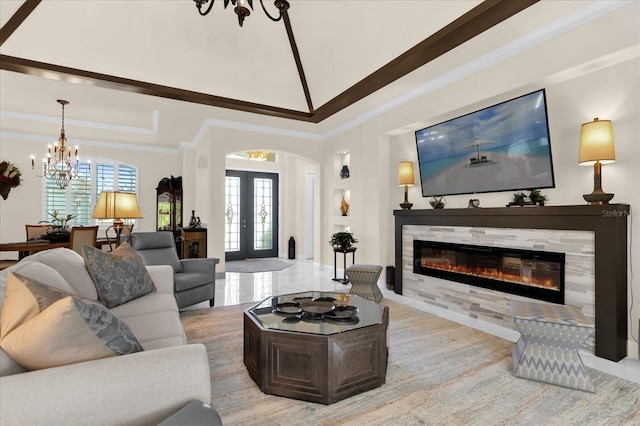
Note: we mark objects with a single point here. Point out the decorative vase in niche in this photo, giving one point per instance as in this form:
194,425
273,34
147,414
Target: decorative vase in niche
344,206
344,173
438,202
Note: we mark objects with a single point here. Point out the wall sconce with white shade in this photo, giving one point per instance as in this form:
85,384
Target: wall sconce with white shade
117,206
406,178
597,148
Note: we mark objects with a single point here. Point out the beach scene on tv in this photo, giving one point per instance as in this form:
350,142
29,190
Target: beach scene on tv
500,148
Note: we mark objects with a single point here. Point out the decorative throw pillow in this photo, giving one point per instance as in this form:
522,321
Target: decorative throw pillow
119,276
43,327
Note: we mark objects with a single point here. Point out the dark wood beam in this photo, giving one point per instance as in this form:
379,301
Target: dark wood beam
296,56
17,19
46,70
479,19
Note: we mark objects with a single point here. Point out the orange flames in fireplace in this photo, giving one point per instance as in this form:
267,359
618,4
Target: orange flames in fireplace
491,274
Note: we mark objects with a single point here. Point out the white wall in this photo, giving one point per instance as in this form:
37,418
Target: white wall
608,92
587,80
24,204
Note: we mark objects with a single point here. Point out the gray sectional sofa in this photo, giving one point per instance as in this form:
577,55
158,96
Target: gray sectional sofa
138,388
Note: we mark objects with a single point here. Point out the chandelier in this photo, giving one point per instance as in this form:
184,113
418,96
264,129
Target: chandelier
60,166
241,8
258,155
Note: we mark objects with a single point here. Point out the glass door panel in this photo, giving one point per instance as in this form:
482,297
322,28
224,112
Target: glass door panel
251,215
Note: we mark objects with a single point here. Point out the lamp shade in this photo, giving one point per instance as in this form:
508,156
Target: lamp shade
117,205
596,143
405,173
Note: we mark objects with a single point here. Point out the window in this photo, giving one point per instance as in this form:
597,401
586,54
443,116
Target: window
80,196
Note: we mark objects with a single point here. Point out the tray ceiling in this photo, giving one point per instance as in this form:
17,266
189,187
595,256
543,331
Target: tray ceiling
351,55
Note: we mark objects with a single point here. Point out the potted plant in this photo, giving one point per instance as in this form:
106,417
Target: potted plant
59,226
537,197
342,240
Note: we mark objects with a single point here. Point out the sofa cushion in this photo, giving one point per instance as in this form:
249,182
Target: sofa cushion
70,265
119,276
43,327
155,326
43,273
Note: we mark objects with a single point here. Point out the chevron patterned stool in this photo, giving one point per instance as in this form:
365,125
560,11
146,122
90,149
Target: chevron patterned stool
364,281
547,351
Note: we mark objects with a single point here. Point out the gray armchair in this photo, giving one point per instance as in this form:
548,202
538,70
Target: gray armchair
193,279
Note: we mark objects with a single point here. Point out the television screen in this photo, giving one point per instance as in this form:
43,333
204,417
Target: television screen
504,147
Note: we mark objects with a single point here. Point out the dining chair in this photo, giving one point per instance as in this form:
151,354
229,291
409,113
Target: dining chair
81,235
117,235
34,232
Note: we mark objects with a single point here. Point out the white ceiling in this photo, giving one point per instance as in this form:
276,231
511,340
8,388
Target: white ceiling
167,43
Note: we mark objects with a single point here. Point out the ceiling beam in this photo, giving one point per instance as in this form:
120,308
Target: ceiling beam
479,19
296,56
73,75
17,19
484,16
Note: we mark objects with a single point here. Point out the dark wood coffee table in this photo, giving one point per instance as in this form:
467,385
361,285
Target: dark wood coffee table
318,357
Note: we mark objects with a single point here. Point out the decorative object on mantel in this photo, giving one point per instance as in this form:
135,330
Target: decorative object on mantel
535,198
342,240
344,172
344,206
405,177
242,10
473,203
60,166
597,148
9,178
438,202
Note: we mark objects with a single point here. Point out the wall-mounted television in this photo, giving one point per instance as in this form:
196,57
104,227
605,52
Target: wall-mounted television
504,147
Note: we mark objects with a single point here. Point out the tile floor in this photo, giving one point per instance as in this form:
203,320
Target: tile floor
304,275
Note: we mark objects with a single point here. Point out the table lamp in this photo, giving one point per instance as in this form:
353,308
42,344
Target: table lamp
117,205
596,148
405,177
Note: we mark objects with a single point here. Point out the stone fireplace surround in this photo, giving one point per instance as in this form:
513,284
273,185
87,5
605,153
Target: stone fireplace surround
594,239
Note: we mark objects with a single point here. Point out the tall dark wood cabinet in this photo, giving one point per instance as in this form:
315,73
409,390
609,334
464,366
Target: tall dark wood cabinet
169,207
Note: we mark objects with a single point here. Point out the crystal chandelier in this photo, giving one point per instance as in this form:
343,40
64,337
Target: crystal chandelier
242,10
59,165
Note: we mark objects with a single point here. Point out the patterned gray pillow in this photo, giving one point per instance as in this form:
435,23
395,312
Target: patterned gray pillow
119,276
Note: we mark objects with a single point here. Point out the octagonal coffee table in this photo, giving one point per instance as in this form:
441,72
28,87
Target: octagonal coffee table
316,346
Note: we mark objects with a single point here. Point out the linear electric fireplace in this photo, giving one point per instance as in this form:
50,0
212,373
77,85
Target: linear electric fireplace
534,274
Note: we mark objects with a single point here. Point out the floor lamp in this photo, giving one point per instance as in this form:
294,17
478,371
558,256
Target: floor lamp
117,205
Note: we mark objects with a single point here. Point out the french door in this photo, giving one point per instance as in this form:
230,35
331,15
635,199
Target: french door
251,215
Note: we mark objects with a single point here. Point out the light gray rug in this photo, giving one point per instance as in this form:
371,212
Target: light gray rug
439,373
255,265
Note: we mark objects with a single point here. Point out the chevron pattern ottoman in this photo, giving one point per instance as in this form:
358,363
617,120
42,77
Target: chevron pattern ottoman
364,281
547,351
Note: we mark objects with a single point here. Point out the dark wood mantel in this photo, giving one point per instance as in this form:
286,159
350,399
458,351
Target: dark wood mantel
609,224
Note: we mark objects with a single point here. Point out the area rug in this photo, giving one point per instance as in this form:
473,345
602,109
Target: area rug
255,265
439,373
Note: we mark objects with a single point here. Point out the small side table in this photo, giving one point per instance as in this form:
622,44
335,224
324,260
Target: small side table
344,279
547,351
